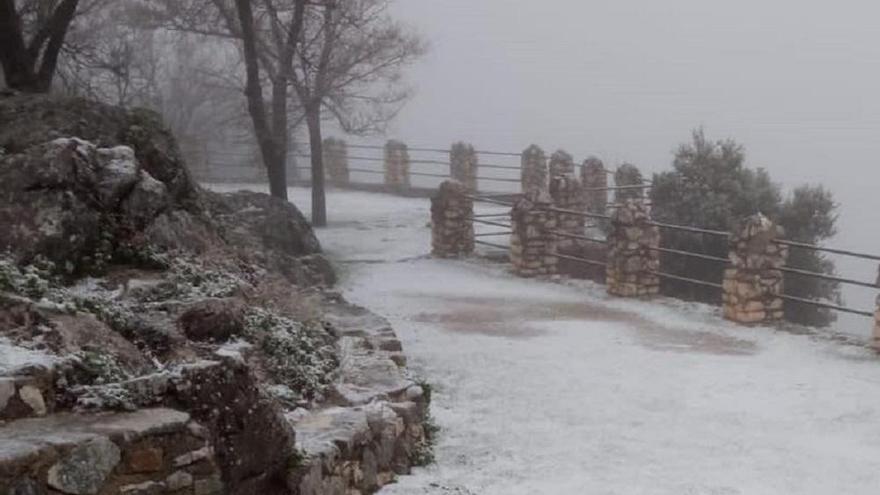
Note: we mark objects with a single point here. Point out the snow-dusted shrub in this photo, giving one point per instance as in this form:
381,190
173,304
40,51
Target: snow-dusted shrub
189,280
300,356
33,281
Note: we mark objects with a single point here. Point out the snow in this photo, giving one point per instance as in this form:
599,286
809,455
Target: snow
548,387
14,358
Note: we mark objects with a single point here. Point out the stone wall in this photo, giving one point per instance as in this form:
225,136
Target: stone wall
561,163
336,161
148,452
594,179
452,227
628,175
754,283
396,165
463,163
632,259
532,245
567,194
534,169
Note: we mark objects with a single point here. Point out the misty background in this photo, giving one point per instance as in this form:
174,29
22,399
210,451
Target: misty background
794,82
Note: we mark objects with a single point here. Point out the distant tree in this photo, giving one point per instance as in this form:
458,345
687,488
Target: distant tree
809,216
710,187
31,37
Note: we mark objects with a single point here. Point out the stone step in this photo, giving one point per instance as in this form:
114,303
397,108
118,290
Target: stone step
356,449
151,451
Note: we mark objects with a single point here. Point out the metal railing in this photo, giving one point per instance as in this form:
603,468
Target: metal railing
703,256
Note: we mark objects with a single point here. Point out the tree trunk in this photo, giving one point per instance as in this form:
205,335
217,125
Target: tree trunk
278,169
18,67
19,60
316,148
256,105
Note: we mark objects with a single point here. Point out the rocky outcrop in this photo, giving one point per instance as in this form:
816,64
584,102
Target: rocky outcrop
157,338
87,186
271,233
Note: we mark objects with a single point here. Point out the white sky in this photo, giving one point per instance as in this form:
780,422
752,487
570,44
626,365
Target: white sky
796,81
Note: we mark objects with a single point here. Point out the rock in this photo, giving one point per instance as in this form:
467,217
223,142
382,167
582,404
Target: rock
252,440
208,486
84,470
7,391
275,231
214,320
145,460
32,396
178,481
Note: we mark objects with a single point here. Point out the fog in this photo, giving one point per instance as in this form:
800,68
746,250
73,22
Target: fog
795,82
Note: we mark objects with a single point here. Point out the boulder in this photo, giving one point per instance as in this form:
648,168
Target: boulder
214,320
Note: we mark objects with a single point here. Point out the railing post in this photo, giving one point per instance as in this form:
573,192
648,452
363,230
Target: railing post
628,175
463,164
595,181
336,161
532,245
396,165
567,194
561,163
632,256
533,169
452,226
753,286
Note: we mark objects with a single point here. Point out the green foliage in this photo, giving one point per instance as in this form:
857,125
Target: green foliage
628,175
297,355
32,281
710,187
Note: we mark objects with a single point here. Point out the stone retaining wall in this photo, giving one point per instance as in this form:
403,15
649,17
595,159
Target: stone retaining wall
396,165
148,452
452,227
631,257
463,165
336,161
532,245
753,285
534,169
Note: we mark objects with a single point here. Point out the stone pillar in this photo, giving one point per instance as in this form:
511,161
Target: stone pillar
396,165
452,227
594,176
532,246
463,165
628,175
632,259
561,163
567,194
534,169
336,161
753,285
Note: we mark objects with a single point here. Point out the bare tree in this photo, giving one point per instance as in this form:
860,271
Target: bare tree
29,62
350,63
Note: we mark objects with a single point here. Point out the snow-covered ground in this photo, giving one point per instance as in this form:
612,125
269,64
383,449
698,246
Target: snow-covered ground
545,387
